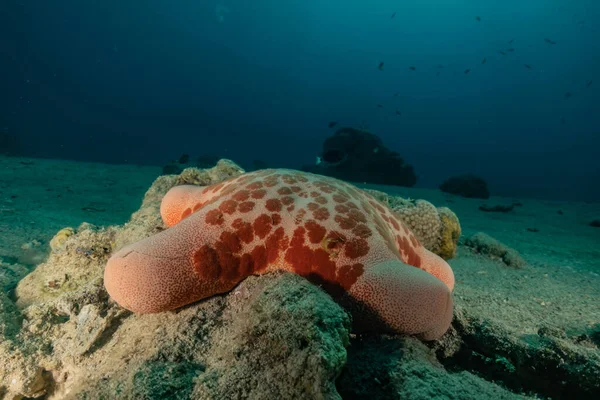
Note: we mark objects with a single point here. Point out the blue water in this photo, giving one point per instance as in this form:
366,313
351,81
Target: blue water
145,81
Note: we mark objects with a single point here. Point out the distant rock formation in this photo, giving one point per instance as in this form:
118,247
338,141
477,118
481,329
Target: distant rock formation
359,156
466,186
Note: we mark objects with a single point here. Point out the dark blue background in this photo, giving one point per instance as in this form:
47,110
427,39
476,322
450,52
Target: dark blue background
144,81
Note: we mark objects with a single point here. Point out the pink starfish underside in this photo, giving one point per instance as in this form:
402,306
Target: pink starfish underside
321,228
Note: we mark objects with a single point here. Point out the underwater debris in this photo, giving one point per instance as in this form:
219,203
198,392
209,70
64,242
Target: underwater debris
380,67
93,209
331,124
497,208
549,41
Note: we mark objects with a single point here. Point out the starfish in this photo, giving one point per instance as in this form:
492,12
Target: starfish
321,228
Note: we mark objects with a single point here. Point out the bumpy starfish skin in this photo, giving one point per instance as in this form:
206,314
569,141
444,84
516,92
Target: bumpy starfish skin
318,227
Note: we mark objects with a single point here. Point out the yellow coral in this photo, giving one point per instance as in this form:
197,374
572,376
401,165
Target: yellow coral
437,229
449,233
61,236
422,218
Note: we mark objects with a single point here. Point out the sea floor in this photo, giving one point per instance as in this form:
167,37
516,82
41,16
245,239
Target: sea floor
559,288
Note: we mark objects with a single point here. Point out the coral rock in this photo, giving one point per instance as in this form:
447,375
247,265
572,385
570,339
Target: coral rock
485,244
437,229
58,241
359,156
466,186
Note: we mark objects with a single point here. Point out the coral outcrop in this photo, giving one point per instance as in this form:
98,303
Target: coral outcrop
485,244
466,186
359,156
437,228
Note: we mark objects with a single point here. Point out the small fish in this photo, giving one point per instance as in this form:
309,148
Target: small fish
589,83
380,66
467,71
484,60
439,66
510,41
510,50
412,68
568,95
379,106
527,66
549,41
438,73
332,124
396,94
501,52
478,18
562,120
393,15
398,112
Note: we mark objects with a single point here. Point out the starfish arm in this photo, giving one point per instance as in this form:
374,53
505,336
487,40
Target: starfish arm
395,297
180,202
168,270
436,266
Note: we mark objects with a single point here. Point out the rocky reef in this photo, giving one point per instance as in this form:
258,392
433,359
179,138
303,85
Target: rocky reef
484,244
466,186
359,156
